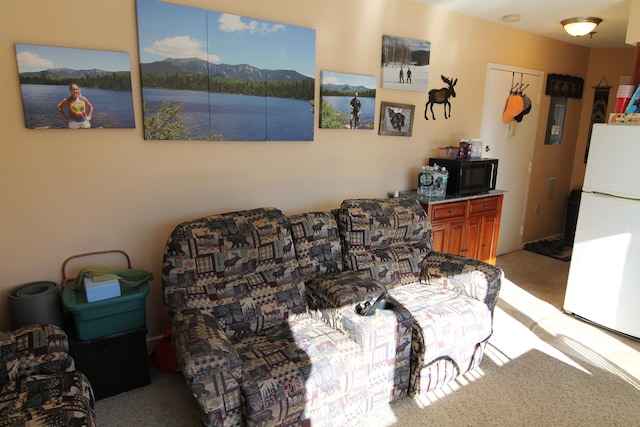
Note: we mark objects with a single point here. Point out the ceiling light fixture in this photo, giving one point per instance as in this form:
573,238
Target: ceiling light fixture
512,17
579,27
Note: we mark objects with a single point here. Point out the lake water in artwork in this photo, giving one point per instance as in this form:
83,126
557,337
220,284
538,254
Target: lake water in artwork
237,117
112,108
341,103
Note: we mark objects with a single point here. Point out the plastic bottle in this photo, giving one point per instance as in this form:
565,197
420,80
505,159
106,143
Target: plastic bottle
428,192
445,180
422,181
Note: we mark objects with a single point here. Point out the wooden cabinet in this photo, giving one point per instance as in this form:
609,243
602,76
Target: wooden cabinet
468,227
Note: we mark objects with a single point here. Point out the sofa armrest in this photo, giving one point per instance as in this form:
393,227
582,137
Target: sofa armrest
475,278
210,365
31,350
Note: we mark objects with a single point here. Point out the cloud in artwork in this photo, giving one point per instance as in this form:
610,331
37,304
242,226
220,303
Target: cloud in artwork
230,23
28,61
180,47
332,80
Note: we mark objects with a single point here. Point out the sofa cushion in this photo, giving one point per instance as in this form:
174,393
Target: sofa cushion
239,264
387,238
298,370
317,243
302,370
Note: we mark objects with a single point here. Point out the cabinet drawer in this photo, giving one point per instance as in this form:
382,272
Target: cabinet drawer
483,206
447,211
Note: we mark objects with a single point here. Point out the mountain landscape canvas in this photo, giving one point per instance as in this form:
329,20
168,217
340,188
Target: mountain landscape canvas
208,75
74,88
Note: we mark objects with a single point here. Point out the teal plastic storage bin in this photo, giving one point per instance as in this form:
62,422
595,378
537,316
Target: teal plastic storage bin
101,318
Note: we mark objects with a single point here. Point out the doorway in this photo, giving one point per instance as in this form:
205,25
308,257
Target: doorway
512,144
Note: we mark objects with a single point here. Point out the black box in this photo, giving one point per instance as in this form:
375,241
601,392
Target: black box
115,363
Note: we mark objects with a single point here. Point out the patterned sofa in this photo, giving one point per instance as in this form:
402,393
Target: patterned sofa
39,385
265,328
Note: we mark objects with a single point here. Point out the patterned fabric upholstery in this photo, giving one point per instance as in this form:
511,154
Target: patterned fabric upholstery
465,275
387,238
244,340
39,385
449,329
240,264
449,298
333,294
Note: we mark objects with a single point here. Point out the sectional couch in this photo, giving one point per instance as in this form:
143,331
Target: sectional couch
265,326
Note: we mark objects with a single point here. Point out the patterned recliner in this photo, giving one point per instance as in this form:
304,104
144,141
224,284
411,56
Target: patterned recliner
39,385
450,298
246,344
333,293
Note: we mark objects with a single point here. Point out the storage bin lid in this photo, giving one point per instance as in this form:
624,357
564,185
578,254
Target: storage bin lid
74,300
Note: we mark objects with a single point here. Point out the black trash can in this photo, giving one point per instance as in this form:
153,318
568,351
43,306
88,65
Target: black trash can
571,219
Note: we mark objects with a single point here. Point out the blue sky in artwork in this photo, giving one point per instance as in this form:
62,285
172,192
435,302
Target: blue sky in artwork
33,58
332,77
167,30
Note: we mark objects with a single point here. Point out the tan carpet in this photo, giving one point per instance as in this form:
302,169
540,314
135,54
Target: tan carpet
542,368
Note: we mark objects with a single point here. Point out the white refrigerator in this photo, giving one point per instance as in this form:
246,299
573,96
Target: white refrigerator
604,275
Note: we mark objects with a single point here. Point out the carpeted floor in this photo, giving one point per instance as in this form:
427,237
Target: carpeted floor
554,248
542,368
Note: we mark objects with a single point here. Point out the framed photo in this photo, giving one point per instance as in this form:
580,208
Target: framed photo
405,63
347,101
396,119
566,86
68,88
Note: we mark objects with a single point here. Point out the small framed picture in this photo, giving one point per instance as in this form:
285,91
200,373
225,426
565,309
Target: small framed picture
396,119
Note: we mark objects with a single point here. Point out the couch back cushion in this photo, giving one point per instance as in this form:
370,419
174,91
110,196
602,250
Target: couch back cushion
239,265
317,243
388,238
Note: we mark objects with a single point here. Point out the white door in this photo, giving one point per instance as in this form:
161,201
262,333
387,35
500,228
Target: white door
512,144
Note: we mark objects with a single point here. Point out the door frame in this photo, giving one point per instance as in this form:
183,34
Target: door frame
485,123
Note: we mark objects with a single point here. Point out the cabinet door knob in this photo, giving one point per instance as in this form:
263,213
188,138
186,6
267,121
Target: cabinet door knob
485,206
450,211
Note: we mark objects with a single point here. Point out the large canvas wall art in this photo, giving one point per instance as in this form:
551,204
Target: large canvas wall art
347,101
405,63
74,88
209,75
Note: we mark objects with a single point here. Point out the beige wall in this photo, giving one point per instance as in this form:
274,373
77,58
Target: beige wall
565,162
64,192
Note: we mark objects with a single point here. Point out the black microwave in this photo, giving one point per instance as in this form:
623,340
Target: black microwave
469,176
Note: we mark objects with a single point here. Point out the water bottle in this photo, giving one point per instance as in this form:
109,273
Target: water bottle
445,179
422,181
425,182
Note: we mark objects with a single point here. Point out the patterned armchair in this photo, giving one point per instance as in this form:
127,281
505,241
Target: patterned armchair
449,299
249,349
39,385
